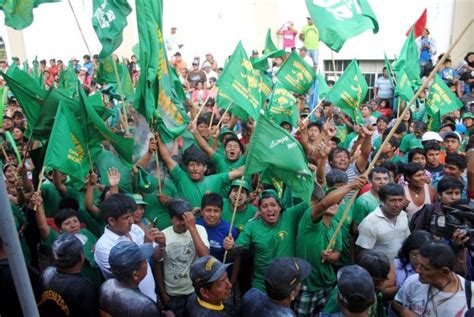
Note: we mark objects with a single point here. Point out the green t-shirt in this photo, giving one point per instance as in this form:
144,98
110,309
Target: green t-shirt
311,37
345,235
156,210
94,225
269,242
241,217
223,165
313,238
397,159
410,141
89,268
51,198
364,205
194,191
376,309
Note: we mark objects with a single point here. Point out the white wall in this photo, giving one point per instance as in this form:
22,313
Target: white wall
217,26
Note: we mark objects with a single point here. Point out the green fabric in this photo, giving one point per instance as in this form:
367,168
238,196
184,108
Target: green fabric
223,165
109,18
313,238
67,147
241,84
68,82
274,150
282,106
398,158
105,73
156,210
441,98
9,138
364,205
269,45
348,139
19,13
409,141
106,160
346,236
349,92
323,88
127,84
403,88
242,217
389,68
295,74
51,198
89,269
311,37
145,182
94,224
269,242
408,61
20,221
338,21
194,191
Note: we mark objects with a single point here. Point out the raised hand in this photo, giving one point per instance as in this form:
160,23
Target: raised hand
113,176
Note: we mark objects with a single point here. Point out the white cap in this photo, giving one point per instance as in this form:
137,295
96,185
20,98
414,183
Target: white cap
431,136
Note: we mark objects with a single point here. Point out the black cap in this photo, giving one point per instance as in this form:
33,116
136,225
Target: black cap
284,274
206,269
355,287
177,207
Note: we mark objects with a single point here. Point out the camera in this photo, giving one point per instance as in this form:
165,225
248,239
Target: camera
444,223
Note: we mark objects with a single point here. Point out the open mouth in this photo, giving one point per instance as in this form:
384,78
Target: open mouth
271,216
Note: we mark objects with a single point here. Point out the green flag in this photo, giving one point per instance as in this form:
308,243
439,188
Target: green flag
408,61
441,98
282,106
270,51
26,67
388,66
127,84
3,101
338,21
109,18
403,88
123,146
67,146
156,95
269,45
349,92
19,13
68,81
37,74
105,72
295,74
241,82
223,101
323,88
276,151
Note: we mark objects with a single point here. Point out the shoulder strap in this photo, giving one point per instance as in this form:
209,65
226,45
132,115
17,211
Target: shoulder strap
468,290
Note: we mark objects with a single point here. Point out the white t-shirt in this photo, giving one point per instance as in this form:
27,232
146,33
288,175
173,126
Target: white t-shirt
180,254
414,296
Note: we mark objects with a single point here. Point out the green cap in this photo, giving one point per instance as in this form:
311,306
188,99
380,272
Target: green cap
225,132
245,184
138,199
467,115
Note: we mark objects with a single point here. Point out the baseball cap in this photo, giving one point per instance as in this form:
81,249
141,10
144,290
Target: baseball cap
454,135
303,48
355,287
467,115
177,207
448,124
66,247
206,269
245,184
431,136
225,132
285,273
125,256
138,199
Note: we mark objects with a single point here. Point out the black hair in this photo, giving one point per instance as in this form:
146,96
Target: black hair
387,102
431,146
456,159
336,151
378,170
411,169
390,189
266,195
376,263
276,295
449,182
420,125
439,254
414,151
212,199
234,139
87,56
69,203
394,142
316,124
391,166
402,128
117,205
197,288
413,242
62,215
336,176
193,154
383,118
203,120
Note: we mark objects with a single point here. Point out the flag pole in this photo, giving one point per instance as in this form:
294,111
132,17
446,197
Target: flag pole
223,115
38,189
392,132
212,119
204,104
158,171
234,212
333,66
310,114
79,27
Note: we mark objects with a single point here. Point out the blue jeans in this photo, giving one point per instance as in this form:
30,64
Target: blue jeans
178,304
314,54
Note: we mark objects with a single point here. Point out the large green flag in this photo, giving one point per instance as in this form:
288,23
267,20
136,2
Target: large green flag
295,74
67,146
123,145
269,45
388,66
241,82
156,95
19,13
403,87
127,84
105,72
37,74
349,92
68,81
270,51
274,150
109,18
441,99
223,101
282,106
323,88
339,20
408,61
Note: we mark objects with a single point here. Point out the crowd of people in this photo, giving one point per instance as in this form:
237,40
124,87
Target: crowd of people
201,240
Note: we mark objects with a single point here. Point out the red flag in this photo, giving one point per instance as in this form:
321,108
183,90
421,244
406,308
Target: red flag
419,25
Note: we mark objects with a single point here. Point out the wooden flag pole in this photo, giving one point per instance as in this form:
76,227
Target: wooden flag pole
38,189
79,27
223,115
333,65
204,104
239,192
310,114
391,133
212,119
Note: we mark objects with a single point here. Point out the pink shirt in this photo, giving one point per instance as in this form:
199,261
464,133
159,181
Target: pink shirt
288,38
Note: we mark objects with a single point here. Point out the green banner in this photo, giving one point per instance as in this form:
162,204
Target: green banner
295,74
408,61
282,106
